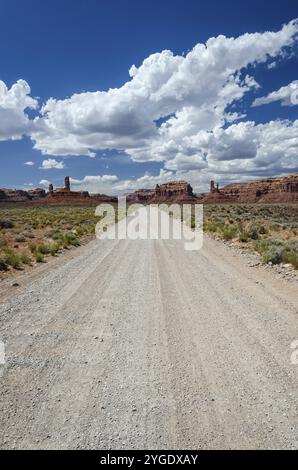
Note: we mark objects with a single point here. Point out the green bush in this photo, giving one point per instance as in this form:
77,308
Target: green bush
32,247
243,237
70,238
54,248
39,257
43,248
274,255
25,259
12,259
292,258
229,232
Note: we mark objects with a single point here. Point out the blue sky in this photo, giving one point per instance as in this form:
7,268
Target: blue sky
62,48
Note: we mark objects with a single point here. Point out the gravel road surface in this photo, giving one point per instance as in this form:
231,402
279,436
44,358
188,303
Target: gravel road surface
143,345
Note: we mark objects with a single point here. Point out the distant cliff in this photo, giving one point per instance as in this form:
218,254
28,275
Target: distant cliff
175,191
270,190
53,196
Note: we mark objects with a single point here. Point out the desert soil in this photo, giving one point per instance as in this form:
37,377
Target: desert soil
141,344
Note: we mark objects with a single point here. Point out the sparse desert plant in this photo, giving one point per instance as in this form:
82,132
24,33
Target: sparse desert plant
3,242
292,258
43,248
28,234
25,258
32,247
274,255
54,248
70,238
229,232
243,237
252,230
20,238
39,257
12,259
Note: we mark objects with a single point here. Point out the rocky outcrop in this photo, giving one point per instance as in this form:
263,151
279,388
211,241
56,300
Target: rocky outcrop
270,190
20,195
58,196
141,196
37,193
175,191
283,189
65,193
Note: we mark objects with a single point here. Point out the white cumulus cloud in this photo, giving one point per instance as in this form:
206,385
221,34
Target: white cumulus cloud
288,95
174,109
51,163
190,93
44,183
14,122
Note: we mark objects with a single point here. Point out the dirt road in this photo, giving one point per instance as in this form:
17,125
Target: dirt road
141,344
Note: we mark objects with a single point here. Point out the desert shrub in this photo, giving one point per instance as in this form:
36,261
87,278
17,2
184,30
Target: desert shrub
252,231
79,231
12,259
265,244
273,251
229,233
20,238
28,234
262,230
292,258
3,242
25,259
6,223
43,248
212,227
54,248
55,235
39,257
32,247
293,245
243,237
274,255
70,238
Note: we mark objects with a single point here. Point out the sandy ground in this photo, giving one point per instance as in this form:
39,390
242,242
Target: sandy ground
141,344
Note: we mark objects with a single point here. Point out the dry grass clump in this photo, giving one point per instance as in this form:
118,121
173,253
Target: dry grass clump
271,230
30,234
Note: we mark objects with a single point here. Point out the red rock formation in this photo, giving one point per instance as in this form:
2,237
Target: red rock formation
37,193
141,196
14,195
175,191
65,193
283,189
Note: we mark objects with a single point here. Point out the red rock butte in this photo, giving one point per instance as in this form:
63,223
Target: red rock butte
174,191
53,196
269,190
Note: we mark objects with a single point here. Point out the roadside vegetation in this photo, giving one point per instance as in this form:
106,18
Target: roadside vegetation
269,229
30,235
